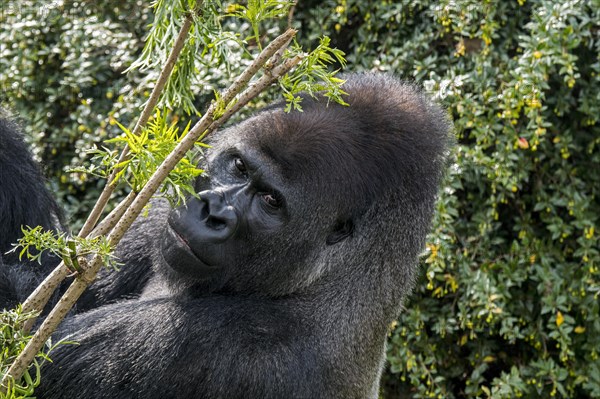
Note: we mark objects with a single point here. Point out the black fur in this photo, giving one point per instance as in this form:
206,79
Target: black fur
24,201
295,301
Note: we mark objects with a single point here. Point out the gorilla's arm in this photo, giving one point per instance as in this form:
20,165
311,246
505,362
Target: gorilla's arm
137,251
211,347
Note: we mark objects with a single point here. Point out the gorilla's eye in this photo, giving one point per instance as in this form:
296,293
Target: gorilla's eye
272,199
240,165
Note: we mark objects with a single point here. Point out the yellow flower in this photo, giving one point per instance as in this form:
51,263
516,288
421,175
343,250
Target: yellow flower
559,318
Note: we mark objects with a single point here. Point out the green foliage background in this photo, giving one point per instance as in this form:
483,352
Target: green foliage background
508,303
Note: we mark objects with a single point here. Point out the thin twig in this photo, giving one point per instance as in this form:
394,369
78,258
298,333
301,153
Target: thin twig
277,45
290,19
254,90
110,221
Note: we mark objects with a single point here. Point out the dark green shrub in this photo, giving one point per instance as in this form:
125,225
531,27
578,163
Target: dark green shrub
61,70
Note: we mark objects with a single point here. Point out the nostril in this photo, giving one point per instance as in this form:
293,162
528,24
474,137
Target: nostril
204,214
223,220
212,202
215,223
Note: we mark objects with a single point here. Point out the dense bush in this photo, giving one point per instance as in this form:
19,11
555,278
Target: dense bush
61,72
508,304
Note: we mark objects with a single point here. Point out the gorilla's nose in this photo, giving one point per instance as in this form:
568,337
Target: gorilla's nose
218,216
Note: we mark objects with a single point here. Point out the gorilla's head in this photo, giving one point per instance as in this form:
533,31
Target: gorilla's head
293,199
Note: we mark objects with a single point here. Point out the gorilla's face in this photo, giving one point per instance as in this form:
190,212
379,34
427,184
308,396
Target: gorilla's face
242,203
257,226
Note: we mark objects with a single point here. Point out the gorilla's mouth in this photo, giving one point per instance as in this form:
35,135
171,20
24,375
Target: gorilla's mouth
183,243
179,256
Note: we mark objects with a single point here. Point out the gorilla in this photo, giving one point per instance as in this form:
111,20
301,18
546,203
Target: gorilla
279,281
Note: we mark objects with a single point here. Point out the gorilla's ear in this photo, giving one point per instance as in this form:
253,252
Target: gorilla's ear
341,231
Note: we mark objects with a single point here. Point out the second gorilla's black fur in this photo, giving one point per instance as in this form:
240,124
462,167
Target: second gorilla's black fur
282,279
24,201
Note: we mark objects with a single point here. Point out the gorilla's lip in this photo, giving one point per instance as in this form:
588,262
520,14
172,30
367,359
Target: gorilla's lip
183,243
183,240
